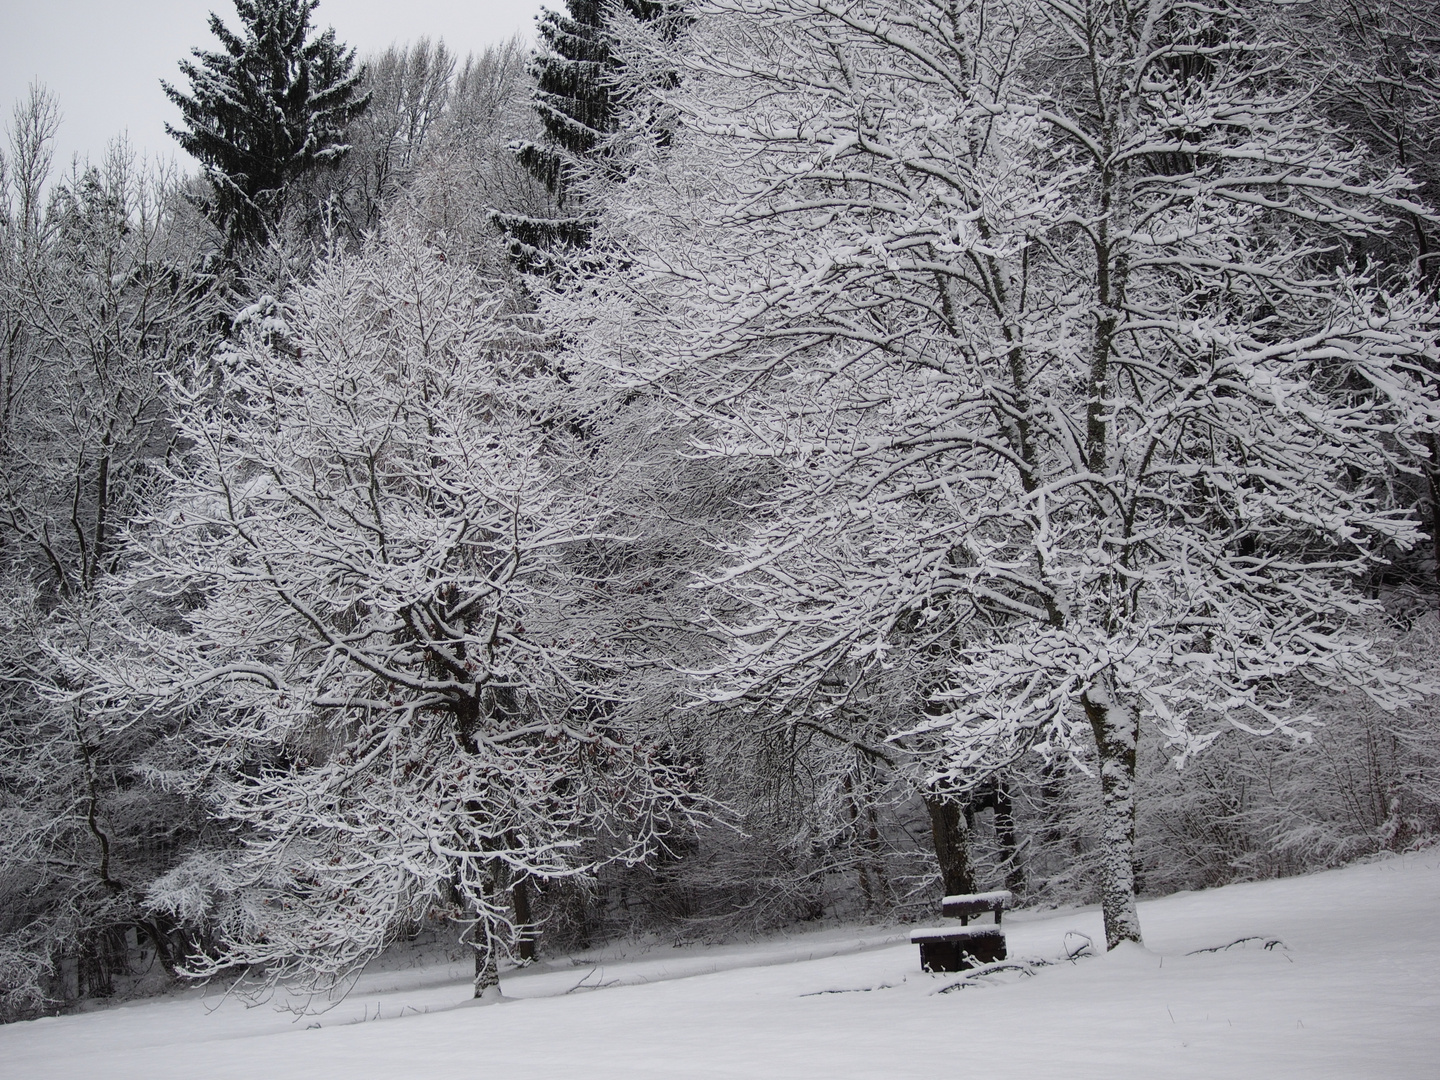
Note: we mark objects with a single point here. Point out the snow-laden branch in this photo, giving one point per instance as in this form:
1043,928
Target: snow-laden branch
362,597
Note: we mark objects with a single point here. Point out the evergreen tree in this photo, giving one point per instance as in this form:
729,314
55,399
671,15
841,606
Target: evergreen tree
269,109
578,98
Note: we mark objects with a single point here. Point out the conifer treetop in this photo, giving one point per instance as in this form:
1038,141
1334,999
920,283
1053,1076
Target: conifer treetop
268,108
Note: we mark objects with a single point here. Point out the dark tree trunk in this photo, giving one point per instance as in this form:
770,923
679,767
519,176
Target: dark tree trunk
952,846
160,940
524,923
1116,725
876,852
861,863
1005,836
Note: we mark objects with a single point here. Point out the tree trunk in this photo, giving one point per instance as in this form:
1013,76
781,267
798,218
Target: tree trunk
1005,836
862,862
164,947
487,971
952,847
876,851
487,960
524,925
1117,732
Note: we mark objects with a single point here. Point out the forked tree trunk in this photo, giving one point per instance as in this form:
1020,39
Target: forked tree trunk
1116,725
952,846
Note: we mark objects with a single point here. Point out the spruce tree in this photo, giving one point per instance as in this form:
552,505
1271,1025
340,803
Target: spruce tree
266,111
579,104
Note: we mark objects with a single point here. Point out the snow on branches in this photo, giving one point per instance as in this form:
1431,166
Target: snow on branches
361,596
1047,311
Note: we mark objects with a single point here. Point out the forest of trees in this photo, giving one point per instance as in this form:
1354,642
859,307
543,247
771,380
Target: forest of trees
740,462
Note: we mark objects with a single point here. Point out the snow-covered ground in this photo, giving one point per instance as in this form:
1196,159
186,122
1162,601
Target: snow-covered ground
1351,990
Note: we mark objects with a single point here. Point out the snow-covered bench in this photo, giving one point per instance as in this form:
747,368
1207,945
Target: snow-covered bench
956,948
963,907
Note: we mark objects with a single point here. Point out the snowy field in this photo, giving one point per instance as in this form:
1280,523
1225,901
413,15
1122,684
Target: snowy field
1350,988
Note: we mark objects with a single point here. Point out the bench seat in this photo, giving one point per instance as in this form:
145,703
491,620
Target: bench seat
965,906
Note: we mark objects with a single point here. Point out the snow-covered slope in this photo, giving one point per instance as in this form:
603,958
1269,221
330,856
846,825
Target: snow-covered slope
1348,987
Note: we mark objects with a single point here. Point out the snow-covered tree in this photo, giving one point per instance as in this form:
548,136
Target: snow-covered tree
1043,310
408,88
362,599
96,303
581,91
469,171
1376,68
265,112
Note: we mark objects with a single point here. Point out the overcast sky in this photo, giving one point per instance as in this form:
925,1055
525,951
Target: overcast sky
104,59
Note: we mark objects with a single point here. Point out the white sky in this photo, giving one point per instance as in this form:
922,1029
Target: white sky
104,59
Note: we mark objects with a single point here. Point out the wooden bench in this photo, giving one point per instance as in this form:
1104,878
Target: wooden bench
959,948
966,907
